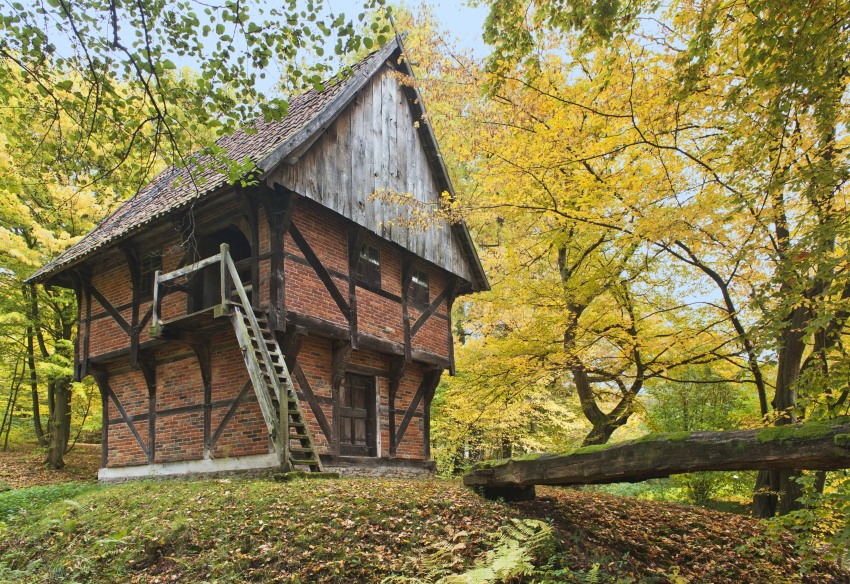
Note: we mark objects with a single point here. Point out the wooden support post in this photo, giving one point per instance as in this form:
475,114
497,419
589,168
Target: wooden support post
408,266
449,304
148,368
253,222
428,396
225,289
397,366
341,352
134,267
355,243
279,204
203,354
156,321
101,378
78,294
87,335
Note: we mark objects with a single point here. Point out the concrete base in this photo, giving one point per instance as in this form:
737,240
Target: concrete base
189,468
266,465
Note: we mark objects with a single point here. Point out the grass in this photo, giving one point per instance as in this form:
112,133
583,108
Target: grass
28,501
364,530
367,530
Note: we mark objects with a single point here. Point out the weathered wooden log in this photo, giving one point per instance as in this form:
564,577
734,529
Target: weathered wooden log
810,446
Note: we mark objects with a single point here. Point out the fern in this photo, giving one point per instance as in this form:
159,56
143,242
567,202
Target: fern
519,543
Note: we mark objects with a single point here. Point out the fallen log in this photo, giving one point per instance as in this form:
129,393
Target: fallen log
810,446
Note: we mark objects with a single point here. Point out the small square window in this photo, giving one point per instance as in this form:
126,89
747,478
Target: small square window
369,267
418,292
148,268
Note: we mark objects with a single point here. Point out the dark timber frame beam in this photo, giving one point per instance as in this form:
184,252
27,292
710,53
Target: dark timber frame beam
101,378
134,266
356,235
408,267
447,292
320,270
315,406
430,380
330,330
279,204
397,367
231,411
148,368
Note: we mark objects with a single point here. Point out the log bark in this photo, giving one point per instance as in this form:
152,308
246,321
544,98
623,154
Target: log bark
811,446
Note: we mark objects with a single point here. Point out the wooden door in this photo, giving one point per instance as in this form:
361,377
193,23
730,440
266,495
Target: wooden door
357,420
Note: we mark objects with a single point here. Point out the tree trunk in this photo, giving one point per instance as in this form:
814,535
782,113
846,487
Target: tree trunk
59,423
36,404
809,446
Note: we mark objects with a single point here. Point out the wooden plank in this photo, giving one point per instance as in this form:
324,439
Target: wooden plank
320,270
802,447
300,142
168,276
315,407
365,370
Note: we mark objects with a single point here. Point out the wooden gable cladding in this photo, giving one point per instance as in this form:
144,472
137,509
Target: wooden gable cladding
374,146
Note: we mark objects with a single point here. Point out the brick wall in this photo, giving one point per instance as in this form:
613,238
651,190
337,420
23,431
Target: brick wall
180,391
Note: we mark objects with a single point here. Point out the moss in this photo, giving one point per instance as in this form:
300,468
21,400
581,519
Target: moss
667,436
842,440
591,449
529,456
491,463
807,431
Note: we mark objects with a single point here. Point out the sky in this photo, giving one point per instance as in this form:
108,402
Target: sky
461,20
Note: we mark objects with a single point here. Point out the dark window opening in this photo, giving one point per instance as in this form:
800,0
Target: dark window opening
206,284
369,267
419,292
148,267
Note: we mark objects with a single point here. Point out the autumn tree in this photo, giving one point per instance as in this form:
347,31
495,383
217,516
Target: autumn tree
749,139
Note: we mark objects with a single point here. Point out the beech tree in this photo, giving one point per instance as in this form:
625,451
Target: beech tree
749,138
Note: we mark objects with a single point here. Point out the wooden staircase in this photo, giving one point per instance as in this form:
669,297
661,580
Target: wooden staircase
264,360
270,378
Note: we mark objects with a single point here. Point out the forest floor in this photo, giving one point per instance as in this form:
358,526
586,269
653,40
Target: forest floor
362,530
23,465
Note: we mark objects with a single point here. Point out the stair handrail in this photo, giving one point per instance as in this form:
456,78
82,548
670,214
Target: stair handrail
282,400
161,278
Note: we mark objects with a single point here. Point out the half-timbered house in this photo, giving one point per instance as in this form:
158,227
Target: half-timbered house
295,323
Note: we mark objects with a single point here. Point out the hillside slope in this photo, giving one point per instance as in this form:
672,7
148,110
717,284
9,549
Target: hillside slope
364,530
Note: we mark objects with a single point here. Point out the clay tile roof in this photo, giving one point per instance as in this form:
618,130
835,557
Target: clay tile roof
172,188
